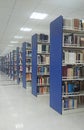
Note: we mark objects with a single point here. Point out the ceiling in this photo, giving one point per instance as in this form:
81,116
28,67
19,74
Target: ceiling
15,14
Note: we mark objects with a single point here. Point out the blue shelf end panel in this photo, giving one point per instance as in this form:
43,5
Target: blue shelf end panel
17,53
56,64
10,65
24,64
34,64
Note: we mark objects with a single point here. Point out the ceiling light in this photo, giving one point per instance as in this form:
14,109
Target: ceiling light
10,45
25,29
14,42
36,15
18,37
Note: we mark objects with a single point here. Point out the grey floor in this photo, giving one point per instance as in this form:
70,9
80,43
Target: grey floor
19,109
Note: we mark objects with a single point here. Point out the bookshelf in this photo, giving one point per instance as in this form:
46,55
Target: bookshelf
40,64
11,65
2,64
17,61
66,65
14,65
26,63
20,64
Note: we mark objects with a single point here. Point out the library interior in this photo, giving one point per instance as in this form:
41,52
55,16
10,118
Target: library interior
41,64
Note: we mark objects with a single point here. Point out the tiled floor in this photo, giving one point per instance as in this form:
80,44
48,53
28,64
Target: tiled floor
19,109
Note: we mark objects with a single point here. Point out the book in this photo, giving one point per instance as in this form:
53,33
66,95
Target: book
43,48
82,72
28,77
70,103
75,103
75,23
43,37
76,40
70,88
47,59
67,23
66,88
39,49
82,41
80,57
66,104
66,57
69,72
72,57
63,56
64,71
68,39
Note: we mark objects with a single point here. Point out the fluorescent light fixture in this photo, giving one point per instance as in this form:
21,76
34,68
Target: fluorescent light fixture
36,15
26,29
19,126
10,45
14,42
18,37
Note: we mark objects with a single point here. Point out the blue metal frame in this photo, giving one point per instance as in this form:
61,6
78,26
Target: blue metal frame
56,31
24,64
17,53
34,64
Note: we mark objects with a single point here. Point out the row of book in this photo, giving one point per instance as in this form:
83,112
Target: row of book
72,57
81,100
28,61
72,72
20,54
43,90
69,103
75,23
43,48
28,69
20,68
43,70
20,62
43,80
42,37
28,53
70,88
71,39
43,59
28,45
28,77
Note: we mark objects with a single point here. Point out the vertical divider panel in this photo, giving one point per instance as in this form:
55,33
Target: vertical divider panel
34,65
56,30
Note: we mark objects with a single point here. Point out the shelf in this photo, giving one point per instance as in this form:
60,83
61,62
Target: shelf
43,43
26,50
28,80
65,64
40,65
69,79
71,55
43,74
42,85
28,64
43,64
28,72
71,30
75,94
43,94
43,53
73,47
